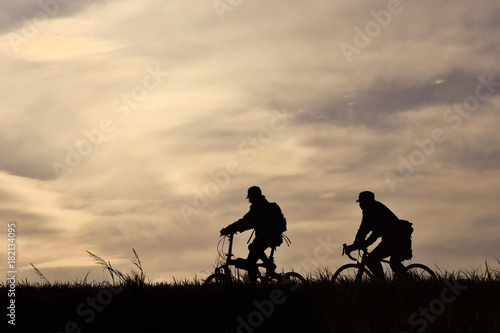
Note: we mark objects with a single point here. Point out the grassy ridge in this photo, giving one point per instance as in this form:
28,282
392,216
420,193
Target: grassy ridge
462,302
454,303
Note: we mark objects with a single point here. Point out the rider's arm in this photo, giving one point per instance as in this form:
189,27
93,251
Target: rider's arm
362,243
248,221
245,223
361,235
370,240
233,227
363,231
365,228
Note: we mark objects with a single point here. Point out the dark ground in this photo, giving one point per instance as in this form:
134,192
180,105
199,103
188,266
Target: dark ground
419,306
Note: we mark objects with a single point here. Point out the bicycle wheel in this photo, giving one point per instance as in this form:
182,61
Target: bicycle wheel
352,273
215,278
420,272
293,278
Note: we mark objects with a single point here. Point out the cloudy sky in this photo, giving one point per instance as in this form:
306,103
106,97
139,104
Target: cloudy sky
141,124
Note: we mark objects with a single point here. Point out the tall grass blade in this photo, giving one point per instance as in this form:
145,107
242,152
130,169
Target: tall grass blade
37,271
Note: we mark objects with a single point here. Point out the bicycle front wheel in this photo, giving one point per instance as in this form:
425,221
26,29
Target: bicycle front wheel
293,278
420,272
215,278
351,273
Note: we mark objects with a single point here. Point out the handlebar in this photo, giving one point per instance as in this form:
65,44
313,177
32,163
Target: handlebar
349,253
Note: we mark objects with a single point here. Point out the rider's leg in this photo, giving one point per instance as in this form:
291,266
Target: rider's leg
268,262
374,258
256,252
397,267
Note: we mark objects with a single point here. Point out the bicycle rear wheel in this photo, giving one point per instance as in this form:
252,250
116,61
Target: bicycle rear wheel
351,273
420,272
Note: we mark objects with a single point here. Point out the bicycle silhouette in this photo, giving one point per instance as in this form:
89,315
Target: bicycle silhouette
224,274
359,271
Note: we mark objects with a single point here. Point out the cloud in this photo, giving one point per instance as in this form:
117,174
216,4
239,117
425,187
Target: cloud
31,15
45,229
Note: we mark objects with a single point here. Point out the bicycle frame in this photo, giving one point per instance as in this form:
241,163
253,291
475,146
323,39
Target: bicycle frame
225,269
363,256
414,271
362,262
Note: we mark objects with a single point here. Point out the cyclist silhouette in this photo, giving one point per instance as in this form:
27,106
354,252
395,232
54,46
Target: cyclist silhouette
267,234
381,222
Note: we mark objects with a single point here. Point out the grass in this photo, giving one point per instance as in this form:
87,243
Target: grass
129,302
135,278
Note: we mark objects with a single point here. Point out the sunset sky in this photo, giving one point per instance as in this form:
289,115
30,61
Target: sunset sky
141,124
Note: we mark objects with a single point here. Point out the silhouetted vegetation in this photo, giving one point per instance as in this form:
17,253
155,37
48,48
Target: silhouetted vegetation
457,302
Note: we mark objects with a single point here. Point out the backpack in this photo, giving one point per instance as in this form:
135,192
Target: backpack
279,220
405,230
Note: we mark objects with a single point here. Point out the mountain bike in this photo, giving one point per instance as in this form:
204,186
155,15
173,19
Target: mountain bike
360,272
223,272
